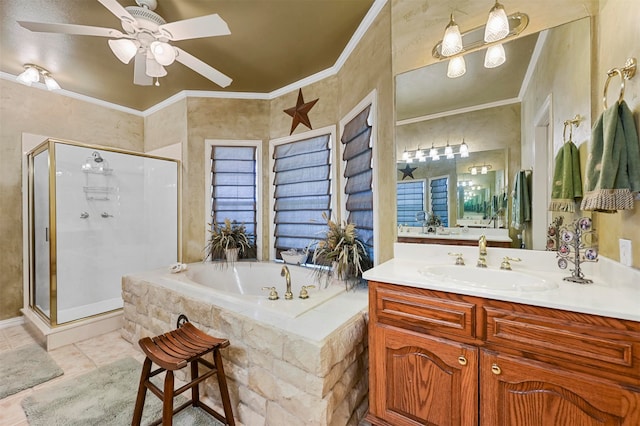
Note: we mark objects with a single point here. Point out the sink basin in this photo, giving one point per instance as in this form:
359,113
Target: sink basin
490,279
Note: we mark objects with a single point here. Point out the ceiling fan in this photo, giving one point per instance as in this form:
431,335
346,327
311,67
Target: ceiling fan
146,38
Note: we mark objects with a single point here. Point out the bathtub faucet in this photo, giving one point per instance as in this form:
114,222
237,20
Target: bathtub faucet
288,295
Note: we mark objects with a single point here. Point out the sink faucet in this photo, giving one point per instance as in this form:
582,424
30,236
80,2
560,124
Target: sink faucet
288,295
482,247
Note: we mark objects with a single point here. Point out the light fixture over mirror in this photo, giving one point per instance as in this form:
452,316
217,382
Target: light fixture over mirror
434,153
498,29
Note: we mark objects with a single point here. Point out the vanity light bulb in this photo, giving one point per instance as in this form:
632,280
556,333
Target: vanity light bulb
452,40
457,67
484,170
448,151
474,170
495,56
464,150
497,26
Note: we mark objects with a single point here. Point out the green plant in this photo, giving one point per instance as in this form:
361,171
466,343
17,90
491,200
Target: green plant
342,246
227,236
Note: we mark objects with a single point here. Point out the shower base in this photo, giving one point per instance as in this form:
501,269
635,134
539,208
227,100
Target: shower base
66,334
84,311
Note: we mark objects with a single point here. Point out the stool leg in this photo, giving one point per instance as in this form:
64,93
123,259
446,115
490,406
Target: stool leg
224,391
142,393
167,403
195,391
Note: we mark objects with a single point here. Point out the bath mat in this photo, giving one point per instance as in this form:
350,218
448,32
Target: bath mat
25,367
105,396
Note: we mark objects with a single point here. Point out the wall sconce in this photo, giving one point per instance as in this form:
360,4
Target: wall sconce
434,153
498,29
32,73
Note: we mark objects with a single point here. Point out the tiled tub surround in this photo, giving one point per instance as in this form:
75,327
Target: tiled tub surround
281,370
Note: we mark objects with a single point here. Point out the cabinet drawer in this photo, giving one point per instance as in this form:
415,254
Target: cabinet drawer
419,310
569,340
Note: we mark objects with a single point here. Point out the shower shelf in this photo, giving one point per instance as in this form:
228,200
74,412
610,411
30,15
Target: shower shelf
98,172
98,192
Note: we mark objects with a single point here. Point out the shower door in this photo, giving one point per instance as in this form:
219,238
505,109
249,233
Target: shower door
110,213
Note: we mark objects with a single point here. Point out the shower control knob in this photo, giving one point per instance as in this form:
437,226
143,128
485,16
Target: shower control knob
106,215
84,215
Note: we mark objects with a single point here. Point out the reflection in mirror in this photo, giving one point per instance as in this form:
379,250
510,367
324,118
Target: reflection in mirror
456,192
517,109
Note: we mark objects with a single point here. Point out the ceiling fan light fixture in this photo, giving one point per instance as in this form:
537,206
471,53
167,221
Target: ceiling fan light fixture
51,83
154,69
29,76
163,52
495,56
124,49
497,26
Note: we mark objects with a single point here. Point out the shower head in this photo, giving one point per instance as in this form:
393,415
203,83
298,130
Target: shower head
96,157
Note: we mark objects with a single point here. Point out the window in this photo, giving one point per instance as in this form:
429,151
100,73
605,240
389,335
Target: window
411,200
439,188
302,191
233,187
357,156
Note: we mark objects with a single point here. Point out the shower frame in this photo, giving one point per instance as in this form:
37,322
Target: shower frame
49,145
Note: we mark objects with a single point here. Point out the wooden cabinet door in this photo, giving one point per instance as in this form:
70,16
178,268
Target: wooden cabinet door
424,380
519,392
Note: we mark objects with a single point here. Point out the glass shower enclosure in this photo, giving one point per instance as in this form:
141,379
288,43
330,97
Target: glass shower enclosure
96,214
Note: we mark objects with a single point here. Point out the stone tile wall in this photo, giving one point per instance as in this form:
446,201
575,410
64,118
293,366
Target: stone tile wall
274,377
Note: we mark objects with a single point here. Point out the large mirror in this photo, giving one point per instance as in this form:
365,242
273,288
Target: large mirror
510,119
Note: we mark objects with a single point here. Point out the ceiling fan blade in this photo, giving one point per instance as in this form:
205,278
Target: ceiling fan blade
201,68
43,27
140,76
202,26
118,10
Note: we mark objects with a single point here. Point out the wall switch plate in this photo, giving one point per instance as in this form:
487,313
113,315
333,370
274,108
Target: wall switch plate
626,256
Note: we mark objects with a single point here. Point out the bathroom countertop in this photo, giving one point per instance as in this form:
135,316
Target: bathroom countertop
616,298
461,236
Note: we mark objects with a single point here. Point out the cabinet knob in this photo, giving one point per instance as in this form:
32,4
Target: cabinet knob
462,360
495,369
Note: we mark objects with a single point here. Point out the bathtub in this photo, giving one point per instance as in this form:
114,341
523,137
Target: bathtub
241,285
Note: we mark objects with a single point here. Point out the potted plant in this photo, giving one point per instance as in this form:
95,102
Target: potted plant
343,249
227,241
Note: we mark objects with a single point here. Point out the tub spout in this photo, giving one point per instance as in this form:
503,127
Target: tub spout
288,295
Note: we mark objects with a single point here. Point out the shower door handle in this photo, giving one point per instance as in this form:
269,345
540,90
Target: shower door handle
46,234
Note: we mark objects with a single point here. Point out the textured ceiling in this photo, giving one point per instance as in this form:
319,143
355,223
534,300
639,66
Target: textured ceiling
273,43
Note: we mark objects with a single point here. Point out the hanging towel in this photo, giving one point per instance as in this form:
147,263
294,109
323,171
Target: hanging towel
567,184
521,201
613,165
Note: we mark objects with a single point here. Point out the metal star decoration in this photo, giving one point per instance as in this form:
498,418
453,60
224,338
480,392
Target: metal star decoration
300,111
407,171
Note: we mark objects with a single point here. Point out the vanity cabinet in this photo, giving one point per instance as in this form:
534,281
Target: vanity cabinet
439,358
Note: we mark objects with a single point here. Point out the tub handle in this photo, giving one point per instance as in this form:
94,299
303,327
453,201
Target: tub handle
304,294
273,294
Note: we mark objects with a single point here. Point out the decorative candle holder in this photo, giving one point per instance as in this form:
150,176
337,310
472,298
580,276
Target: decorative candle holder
572,249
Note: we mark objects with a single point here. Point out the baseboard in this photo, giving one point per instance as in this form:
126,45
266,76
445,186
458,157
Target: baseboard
12,322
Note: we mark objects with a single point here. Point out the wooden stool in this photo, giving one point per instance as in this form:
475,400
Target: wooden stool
172,351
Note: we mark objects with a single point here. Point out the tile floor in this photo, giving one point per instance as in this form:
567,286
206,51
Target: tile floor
74,360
